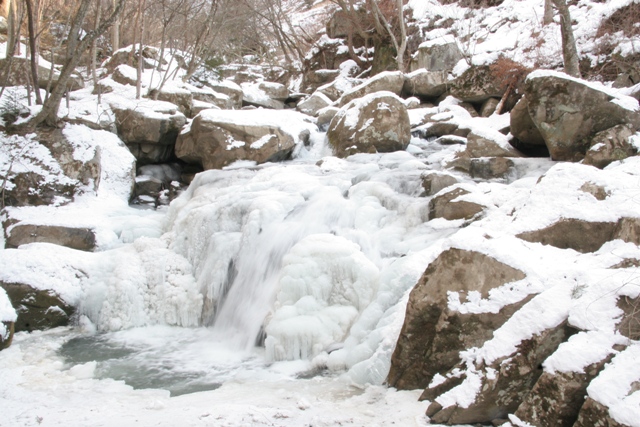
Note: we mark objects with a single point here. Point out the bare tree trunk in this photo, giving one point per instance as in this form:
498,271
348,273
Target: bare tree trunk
94,46
141,40
76,47
33,50
403,36
13,32
569,50
548,12
115,32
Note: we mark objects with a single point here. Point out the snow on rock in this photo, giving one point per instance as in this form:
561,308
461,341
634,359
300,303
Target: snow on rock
217,138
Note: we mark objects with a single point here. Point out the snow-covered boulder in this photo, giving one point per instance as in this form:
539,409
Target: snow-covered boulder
616,143
217,138
388,81
313,104
8,317
229,88
276,91
433,335
125,75
149,128
378,122
21,75
254,94
429,84
568,112
80,238
37,308
446,205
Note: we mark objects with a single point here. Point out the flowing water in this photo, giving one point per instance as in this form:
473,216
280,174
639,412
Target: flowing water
308,261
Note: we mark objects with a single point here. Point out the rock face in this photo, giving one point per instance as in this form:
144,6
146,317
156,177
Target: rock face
83,239
445,206
37,309
217,138
149,131
390,81
437,57
432,334
376,123
569,113
477,84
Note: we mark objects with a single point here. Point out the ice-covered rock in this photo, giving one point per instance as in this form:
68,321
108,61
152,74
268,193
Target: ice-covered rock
378,122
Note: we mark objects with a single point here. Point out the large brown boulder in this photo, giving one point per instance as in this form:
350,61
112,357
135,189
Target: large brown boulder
389,81
569,112
217,138
36,308
376,123
432,334
584,236
83,239
522,126
150,129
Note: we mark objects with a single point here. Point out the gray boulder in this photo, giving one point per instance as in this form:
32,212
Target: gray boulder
217,138
570,112
379,122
